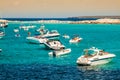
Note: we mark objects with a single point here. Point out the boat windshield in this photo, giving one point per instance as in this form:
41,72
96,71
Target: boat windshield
89,52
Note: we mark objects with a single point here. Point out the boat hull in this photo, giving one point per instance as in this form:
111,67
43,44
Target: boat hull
50,35
36,40
60,52
95,62
75,41
53,47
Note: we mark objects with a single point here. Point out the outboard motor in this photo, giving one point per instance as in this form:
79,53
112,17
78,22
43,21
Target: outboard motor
54,55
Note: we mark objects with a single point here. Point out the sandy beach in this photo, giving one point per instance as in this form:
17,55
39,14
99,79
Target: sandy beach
98,21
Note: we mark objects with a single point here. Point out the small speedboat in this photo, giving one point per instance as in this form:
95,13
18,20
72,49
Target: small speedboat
94,56
59,52
75,40
37,39
66,36
25,28
31,26
0,50
2,34
3,23
54,44
16,30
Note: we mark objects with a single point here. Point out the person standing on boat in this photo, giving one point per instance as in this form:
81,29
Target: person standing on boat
29,34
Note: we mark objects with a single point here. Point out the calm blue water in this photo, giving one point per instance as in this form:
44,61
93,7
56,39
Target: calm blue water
21,60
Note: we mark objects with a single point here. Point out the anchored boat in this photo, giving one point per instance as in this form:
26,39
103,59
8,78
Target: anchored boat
94,56
54,44
75,40
66,36
59,52
0,50
1,34
53,33
46,33
37,39
3,23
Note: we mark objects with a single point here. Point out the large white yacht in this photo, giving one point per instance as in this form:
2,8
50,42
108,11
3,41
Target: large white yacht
46,33
52,33
94,56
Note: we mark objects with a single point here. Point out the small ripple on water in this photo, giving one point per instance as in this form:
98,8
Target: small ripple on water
55,72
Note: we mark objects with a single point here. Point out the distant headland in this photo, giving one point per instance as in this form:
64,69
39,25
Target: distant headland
98,17
97,20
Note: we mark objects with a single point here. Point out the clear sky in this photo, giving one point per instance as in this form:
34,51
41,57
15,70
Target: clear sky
58,8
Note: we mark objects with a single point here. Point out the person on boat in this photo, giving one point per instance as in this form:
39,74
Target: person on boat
29,33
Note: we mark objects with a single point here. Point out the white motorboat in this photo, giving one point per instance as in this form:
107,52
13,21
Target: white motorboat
75,40
37,39
54,44
94,56
41,29
46,33
3,23
52,33
59,52
16,30
25,28
66,36
0,50
31,26
2,34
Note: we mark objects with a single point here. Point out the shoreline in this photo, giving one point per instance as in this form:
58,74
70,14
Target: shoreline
98,21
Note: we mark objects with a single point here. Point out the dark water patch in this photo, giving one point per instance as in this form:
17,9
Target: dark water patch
54,72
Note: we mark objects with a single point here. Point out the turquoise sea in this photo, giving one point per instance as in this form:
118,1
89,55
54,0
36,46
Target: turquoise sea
21,60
